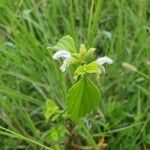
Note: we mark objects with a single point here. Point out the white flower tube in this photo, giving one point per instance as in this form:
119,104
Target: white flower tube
103,60
67,58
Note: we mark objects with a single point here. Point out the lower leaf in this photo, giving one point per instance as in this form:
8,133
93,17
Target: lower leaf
82,98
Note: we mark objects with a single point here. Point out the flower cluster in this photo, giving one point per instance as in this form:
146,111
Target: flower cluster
95,66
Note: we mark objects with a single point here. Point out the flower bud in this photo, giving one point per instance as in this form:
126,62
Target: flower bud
129,67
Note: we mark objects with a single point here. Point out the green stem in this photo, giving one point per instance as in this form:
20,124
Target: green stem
90,23
19,136
89,137
92,28
72,21
144,75
96,17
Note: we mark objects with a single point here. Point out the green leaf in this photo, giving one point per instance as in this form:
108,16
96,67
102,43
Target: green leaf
50,109
66,43
55,133
90,52
80,71
82,50
82,98
92,67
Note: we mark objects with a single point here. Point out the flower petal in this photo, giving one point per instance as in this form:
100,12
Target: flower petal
65,64
104,60
61,54
102,68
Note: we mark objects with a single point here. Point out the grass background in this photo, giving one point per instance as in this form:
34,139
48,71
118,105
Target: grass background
29,76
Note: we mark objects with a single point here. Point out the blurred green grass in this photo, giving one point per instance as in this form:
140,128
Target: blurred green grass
29,76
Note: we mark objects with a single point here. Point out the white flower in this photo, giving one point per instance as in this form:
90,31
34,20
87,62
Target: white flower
66,55
103,60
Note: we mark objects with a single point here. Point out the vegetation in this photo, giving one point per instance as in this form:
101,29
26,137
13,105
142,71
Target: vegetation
33,90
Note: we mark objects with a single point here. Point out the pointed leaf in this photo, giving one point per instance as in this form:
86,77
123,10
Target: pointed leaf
66,43
83,97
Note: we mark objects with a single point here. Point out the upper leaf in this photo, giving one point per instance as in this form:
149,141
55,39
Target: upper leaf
90,52
83,97
66,43
82,50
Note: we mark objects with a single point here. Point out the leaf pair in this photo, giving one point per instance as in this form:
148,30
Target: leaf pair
92,67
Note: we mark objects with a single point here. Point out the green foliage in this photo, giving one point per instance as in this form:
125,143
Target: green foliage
148,138
28,76
84,54
83,97
87,68
66,43
55,134
50,109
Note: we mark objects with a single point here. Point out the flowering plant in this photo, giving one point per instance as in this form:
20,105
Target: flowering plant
84,95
